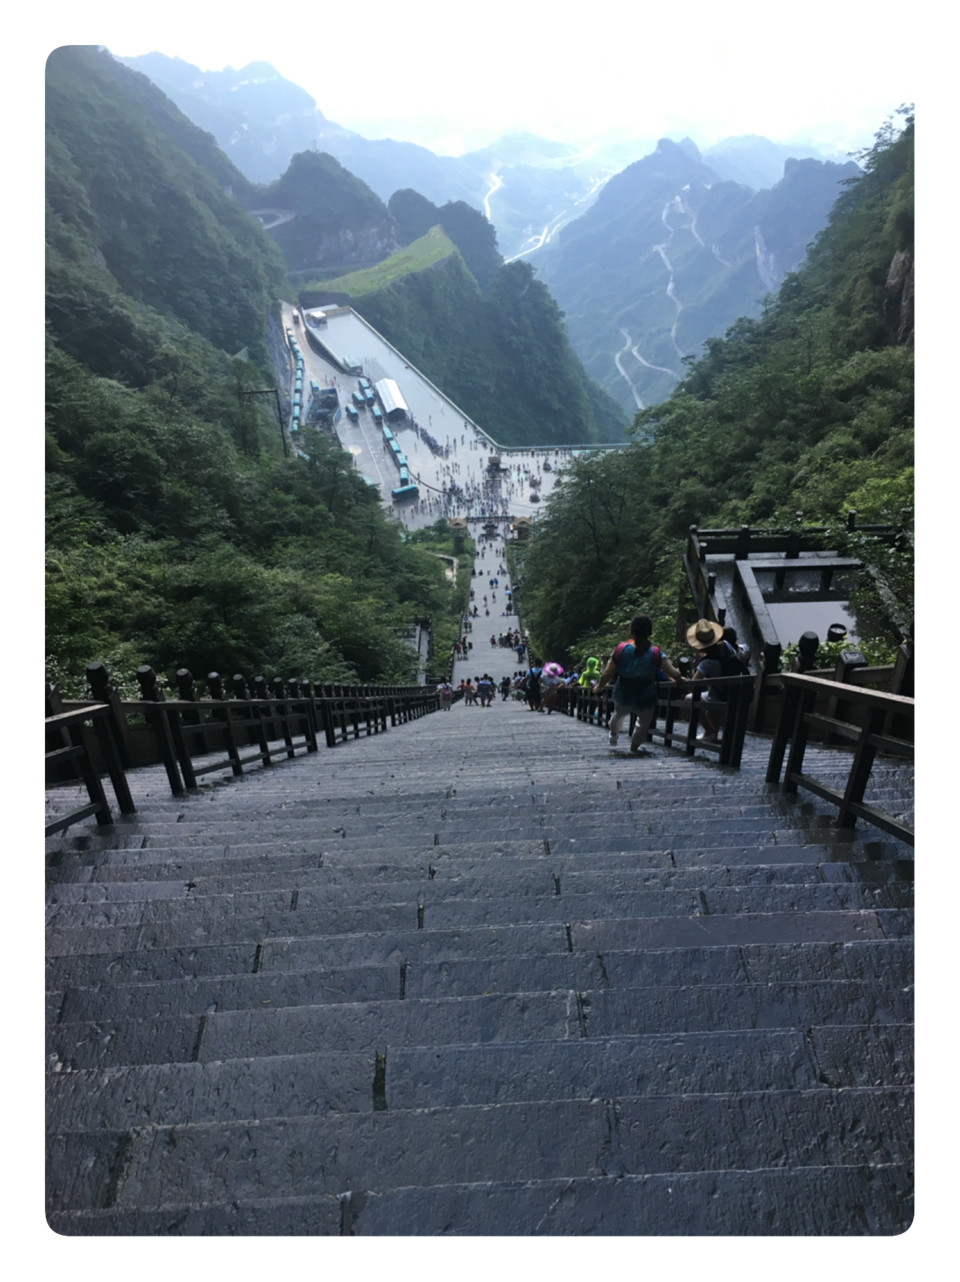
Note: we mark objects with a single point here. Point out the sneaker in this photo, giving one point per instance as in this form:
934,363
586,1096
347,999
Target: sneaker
612,739
640,752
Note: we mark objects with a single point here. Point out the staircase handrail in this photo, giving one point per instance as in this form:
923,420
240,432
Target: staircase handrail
871,720
190,735
678,703
69,744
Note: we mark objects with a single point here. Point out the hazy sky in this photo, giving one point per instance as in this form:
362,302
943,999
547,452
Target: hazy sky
453,76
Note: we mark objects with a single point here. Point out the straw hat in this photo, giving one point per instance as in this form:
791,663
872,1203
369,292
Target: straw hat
704,634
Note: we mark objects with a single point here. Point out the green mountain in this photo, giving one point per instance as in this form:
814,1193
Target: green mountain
262,120
178,533
468,229
327,219
809,408
669,256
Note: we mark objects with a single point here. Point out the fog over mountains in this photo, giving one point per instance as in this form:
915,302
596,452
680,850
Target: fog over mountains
649,246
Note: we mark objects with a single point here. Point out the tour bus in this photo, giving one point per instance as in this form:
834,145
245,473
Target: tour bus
405,492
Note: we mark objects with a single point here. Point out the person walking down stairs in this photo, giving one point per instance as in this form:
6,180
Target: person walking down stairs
633,668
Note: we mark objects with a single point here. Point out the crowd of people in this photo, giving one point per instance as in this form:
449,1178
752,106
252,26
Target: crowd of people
633,670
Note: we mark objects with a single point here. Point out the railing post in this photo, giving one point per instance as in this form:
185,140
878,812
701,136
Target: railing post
218,694
798,740
103,691
277,685
152,695
255,731
848,662
103,728
76,737
781,734
859,776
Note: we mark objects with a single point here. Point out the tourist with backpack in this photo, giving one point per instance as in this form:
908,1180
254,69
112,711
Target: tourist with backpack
633,668
716,657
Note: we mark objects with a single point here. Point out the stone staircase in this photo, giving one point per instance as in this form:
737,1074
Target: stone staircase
479,975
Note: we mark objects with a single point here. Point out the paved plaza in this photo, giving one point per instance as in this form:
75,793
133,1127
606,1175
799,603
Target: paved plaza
467,447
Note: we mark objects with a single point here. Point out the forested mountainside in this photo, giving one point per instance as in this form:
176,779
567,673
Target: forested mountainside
670,255
330,220
177,532
809,408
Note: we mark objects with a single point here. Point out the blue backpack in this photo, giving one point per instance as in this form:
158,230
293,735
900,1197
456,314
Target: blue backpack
638,669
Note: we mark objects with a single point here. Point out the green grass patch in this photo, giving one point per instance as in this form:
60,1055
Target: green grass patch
415,257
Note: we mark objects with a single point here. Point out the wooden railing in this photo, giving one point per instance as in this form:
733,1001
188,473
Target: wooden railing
192,736
679,714
871,721
69,749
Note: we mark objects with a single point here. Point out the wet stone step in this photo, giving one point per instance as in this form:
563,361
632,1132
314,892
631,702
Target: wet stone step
730,964
534,1140
434,906
183,964
746,928
244,1034
298,1085
523,897
674,1064
115,997
266,1217
231,992
616,1011
808,1202
319,887
516,825
250,1034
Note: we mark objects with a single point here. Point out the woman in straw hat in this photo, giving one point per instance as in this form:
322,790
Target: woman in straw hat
634,667
706,638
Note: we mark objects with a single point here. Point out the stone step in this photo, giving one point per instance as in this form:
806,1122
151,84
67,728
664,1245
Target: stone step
809,1202
439,906
321,886
605,840
375,1025
152,1168
418,1077
111,997
832,861
293,933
